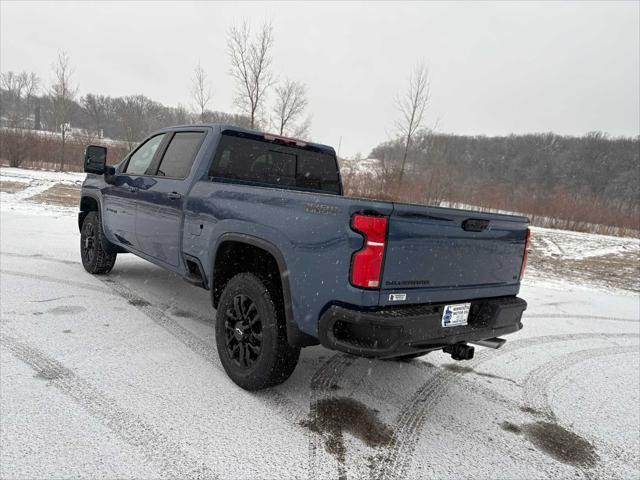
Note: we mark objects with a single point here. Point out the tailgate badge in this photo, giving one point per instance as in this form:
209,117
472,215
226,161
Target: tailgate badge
397,297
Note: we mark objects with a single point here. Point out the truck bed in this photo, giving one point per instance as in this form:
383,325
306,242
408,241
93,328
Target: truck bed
429,256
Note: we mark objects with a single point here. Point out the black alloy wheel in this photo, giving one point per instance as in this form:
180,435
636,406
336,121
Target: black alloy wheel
88,243
251,333
97,253
243,331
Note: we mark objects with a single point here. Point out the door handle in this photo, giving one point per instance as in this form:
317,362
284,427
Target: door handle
133,189
174,195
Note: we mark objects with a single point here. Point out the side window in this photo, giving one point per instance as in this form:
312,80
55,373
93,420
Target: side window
143,156
180,154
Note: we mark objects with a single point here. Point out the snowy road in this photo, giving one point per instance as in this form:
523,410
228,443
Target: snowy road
118,377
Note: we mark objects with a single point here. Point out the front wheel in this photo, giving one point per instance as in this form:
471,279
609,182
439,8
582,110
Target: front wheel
251,335
97,256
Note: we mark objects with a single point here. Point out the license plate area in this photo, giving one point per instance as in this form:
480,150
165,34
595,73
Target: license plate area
455,315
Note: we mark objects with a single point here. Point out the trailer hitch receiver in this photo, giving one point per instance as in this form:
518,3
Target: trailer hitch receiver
459,351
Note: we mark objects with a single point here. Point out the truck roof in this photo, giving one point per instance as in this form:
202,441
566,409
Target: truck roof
222,127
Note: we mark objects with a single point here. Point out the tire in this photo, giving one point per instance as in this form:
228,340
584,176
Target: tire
251,334
98,254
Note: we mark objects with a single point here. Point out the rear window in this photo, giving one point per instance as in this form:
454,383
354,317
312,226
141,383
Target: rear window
263,162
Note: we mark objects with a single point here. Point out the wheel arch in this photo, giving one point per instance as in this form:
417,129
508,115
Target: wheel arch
92,203
270,254
88,203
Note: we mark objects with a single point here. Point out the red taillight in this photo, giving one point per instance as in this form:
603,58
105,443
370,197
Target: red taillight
284,140
366,267
527,244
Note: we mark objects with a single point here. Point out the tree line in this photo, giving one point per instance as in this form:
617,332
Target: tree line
563,181
263,101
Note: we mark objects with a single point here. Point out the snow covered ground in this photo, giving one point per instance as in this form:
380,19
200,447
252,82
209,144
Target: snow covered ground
601,261
25,190
118,377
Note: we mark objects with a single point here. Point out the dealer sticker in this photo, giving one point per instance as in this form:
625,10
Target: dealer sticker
455,315
397,297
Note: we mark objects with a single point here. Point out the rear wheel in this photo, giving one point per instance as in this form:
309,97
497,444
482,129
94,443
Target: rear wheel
98,254
251,335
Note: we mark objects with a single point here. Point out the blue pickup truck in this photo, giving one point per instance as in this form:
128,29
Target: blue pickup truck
261,222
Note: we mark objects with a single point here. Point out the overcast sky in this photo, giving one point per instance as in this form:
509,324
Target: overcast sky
495,68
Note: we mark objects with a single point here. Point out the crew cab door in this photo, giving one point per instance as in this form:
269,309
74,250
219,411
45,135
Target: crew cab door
120,196
160,205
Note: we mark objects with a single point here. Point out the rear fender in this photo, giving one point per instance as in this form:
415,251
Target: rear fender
295,336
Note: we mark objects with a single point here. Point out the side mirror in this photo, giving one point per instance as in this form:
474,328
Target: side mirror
95,159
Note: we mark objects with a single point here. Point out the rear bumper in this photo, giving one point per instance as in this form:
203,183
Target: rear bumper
394,331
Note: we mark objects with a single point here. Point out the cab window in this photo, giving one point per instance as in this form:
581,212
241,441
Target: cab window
141,159
180,154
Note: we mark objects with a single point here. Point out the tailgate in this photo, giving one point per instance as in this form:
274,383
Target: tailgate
440,254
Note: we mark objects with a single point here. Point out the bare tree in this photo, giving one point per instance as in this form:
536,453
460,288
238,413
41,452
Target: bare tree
200,90
136,115
291,100
19,92
412,106
182,116
302,129
250,57
62,95
98,108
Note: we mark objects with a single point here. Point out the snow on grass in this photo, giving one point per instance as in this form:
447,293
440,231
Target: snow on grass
578,245
365,166
37,182
561,258
26,175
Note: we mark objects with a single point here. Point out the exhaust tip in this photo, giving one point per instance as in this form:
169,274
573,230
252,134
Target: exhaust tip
491,342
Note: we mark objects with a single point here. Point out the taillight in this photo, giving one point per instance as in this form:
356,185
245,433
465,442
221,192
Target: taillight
366,267
527,245
284,140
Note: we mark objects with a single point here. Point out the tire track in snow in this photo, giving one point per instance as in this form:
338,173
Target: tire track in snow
538,382
159,317
285,407
325,377
413,414
38,256
157,448
47,278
